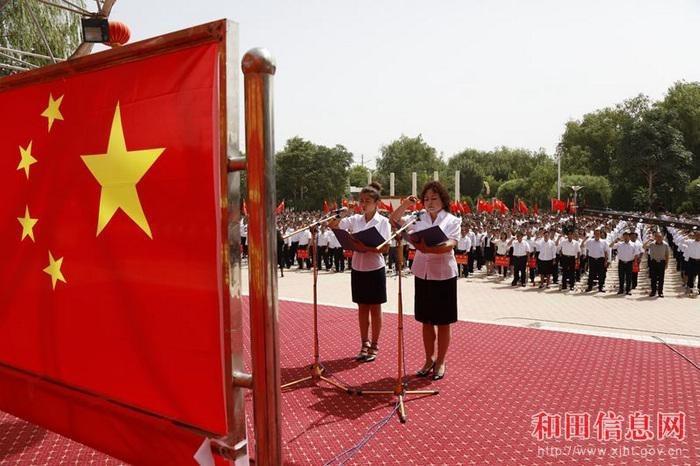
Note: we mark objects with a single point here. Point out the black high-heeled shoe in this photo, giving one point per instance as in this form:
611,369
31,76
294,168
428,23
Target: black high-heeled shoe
439,373
425,370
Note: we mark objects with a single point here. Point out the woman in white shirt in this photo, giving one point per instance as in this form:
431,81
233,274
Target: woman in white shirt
368,278
435,271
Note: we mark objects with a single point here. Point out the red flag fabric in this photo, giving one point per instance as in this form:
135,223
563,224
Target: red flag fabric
357,208
112,257
326,209
335,205
535,209
558,205
466,208
245,209
522,207
500,206
345,202
386,206
454,208
484,206
280,208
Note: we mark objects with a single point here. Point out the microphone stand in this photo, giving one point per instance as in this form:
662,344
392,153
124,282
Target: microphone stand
316,370
400,386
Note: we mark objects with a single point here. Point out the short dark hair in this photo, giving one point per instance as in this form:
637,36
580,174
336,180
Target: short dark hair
438,189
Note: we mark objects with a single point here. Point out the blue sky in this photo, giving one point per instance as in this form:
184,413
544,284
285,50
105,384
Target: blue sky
462,73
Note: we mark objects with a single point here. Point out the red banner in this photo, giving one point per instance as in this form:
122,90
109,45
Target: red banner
502,261
462,258
347,254
302,254
532,263
411,254
112,228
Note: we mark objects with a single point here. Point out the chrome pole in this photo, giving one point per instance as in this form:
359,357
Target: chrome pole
258,70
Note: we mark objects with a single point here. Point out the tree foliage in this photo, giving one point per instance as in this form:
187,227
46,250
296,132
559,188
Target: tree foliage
596,190
308,174
404,156
358,175
18,31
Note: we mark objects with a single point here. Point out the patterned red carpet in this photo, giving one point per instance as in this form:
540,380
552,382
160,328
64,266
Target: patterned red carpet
498,380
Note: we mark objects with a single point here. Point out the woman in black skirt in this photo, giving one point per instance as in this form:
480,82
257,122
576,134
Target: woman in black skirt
368,277
435,271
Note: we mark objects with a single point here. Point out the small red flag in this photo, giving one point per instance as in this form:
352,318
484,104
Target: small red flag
522,207
326,209
466,208
245,209
280,208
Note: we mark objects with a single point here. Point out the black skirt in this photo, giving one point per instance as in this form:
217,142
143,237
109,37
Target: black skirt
368,287
489,253
435,301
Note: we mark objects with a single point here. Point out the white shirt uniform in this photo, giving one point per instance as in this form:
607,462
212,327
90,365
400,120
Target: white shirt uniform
596,249
437,266
569,248
464,243
304,237
472,237
501,246
520,248
547,250
692,250
322,239
367,261
625,251
244,229
332,240
287,232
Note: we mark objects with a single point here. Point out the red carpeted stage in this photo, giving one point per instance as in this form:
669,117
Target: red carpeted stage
498,379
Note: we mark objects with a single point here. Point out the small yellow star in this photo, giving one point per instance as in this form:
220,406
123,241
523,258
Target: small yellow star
26,158
53,112
27,224
118,171
54,269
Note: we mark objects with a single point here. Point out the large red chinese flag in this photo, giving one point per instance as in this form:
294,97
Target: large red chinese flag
111,239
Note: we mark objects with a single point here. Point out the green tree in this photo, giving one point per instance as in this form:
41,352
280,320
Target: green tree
471,178
693,193
18,32
511,189
308,174
358,175
654,148
539,183
404,156
596,190
682,102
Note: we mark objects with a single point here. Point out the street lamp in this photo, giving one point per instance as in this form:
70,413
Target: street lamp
558,157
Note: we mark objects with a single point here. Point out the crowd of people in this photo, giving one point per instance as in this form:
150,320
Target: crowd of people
543,250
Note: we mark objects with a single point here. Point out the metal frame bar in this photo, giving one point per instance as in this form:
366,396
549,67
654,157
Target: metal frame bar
258,70
19,60
41,33
71,7
13,67
29,54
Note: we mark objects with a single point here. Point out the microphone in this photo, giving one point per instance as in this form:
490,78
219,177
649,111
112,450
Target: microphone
342,212
417,214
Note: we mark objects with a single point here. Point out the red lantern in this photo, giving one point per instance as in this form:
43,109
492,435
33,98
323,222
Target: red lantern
119,34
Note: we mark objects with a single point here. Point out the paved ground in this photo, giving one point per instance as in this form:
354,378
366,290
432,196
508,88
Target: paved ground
675,318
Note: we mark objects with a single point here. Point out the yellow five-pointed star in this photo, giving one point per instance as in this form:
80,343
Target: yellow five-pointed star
26,158
27,224
53,112
118,171
54,269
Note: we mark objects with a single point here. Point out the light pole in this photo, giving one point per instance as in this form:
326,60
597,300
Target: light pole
558,156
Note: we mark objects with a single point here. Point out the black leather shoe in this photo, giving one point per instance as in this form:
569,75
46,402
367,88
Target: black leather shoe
425,370
439,372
